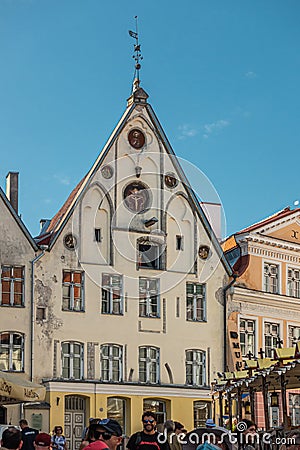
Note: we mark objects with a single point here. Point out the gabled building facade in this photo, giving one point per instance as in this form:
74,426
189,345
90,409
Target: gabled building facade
263,305
129,293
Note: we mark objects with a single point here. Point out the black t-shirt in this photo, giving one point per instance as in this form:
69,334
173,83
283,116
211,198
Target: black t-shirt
28,437
143,441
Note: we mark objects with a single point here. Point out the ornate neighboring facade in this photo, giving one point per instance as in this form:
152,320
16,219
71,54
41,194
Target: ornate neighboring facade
263,306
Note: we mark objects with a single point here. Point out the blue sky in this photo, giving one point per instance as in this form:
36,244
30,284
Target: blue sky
222,76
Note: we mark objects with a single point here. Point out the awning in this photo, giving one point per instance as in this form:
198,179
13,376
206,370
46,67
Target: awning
15,389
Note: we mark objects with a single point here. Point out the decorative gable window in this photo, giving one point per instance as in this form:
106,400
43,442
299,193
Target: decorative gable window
195,302
111,362
272,333
11,351
72,360
112,299
293,284
73,298
150,254
271,278
149,365
149,297
12,285
195,367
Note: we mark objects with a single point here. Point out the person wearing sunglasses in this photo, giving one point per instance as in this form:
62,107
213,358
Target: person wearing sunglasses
147,439
107,434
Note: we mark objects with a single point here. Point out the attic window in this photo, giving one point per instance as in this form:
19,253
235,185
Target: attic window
179,242
98,237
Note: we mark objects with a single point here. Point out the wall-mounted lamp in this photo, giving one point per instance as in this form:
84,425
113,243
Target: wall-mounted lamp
274,400
138,171
247,406
57,401
150,222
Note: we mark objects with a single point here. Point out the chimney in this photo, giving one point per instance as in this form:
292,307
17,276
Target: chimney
12,189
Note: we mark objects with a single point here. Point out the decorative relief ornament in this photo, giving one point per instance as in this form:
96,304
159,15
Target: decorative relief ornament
171,180
70,241
136,197
107,172
203,251
136,139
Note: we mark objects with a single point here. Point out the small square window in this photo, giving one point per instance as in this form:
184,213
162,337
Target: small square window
40,313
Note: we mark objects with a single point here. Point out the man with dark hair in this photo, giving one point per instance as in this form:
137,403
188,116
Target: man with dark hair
28,435
147,439
108,435
11,439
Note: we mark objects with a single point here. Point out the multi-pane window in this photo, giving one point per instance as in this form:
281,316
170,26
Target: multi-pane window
293,284
112,294
73,293
272,334
158,407
72,360
201,413
195,302
148,297
11,351
12,285
271,278
149,364
247,336
111,362
195,367
149,255
293,335
294,407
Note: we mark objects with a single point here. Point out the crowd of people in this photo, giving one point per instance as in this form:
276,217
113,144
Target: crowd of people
107,434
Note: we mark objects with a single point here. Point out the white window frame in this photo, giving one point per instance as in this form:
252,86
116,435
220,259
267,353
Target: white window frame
287,281
11,348
148,361
111,358
255,320
147,301
71,357
288,325
279,282
195,365
12,281
72,285
109,289
272,321
203,296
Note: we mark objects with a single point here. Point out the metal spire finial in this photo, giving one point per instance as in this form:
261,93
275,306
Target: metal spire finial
137,56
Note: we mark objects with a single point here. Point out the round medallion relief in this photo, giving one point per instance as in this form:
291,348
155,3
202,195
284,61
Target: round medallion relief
136,139
136,197
171,180
107,172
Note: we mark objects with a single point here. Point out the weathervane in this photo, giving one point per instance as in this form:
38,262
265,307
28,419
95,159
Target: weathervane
137,56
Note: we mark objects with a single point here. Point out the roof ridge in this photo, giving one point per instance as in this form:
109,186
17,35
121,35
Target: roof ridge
283,212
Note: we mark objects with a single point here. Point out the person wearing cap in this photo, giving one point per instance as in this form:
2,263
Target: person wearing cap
108,435
210,423
11,439
42,441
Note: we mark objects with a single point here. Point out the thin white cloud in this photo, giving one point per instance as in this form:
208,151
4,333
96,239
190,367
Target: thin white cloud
63,179
250,74
186,131
210,128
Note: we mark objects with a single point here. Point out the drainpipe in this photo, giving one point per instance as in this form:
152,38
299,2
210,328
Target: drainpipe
43,248
225,289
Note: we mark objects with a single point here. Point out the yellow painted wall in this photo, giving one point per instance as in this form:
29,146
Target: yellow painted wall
287,233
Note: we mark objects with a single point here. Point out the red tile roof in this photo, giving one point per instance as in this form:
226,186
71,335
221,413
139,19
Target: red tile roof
278,215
